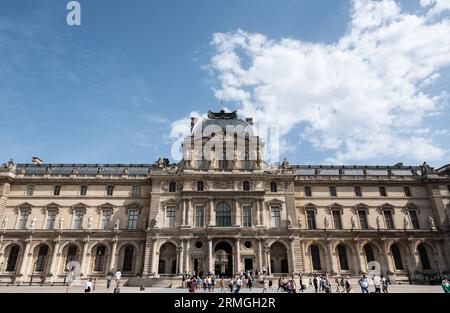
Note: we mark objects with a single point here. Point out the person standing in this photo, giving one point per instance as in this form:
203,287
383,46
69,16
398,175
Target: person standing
266,286
230,284
348,285
377,283
446,285
270,284
88,286
338,284
384,284
108,283
222,285
118,276
250,283
70,278
238,285
364,284
192,285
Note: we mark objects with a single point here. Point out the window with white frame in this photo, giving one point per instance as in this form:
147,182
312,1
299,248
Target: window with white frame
276,216
362,215
247,216
311,218
132,218
106,217
337,220
78,218
51,217
388,218
199,216
170,216
30,191
23,217
136,191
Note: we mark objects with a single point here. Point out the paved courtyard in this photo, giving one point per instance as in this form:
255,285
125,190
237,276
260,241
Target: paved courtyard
102,289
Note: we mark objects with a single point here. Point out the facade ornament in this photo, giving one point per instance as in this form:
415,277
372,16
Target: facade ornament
317,172
48,169
431,221
389,172
285,165
414,172
125,171
352,220
325,222
99,170
61,222
33,222
405,222
341,172
75,171
289,221
10,165
365,171
426,169
299,222
90,220
5,223
378,222
116,227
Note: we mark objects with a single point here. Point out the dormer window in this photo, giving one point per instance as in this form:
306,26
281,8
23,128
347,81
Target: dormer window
308,192
383,191
109,190
246,186
333,192
358,191
172,186
56,190
83,190
200,185
407,191
30,191
273,187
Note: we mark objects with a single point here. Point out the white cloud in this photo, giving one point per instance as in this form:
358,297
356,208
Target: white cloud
152,118
439,6
359,98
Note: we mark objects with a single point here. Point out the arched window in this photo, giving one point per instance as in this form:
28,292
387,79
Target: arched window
315,256
369,253
223,215
71,255
395,250
172,186
424,257
12,258
41,259
128,259
343,261
99,260
161,266
246,186
273,187
200,185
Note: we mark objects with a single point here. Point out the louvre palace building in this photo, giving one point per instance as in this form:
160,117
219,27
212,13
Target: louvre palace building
222,216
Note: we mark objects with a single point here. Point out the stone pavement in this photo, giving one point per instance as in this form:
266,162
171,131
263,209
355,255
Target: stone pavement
102,289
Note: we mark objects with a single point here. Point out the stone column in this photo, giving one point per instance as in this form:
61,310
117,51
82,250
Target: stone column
332,262
388,266
238,255
54,264
237,212
291,250
25,259
183,213
186,256
358,262
179,250
257,214
268,263
262,208
84,258
303,252
210,255
112,263
147,254
260,253
188,212
154,261
414,258
211,221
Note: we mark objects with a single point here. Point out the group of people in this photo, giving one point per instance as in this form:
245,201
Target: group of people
90,285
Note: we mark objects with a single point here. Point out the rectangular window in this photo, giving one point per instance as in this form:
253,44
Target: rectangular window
333,192
109,190
247,216
78,218
276,216
407,191
83,190
132,219
170,216
135,191
358,191
30,191
200,217
388,218
414,219
51,217
172,186
56,190
383,192
363,223
106,218
23,218
337,219
308,192
311,218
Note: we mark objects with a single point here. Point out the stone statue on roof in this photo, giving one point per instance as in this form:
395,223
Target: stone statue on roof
285,165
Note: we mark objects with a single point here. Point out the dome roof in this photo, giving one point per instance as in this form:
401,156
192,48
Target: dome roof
224,121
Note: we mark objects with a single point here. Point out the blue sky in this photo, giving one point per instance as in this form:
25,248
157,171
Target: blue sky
109,90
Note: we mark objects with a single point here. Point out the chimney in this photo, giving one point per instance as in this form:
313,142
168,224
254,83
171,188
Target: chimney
36,160
193,122
249,120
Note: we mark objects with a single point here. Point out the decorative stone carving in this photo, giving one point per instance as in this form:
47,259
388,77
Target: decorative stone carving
405,222
352,220
317,172
325,222
431,221
90,220
75,171
289,221
378,222
33,223
125,171
61,222
285,165
117,226
5,223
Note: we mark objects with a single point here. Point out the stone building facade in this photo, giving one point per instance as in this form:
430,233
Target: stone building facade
163,219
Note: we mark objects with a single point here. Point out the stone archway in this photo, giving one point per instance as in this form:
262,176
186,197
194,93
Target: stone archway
223,259
167,263
279,259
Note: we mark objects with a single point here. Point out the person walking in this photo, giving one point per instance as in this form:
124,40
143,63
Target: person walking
327,285
231,284
280,284
364,284
192,285
118,276
270,284
348,285
384,284
250,283
338,284
238,285
445,285
108,283
377,283
70,278
222,285
265,286
316,283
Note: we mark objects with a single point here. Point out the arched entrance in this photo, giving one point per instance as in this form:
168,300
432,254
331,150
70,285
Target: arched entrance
223,259
167,259
278,259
